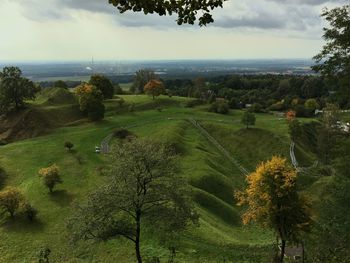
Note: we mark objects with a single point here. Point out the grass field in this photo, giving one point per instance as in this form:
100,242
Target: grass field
213,178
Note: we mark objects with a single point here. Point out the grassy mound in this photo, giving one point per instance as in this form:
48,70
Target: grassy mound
25,124
56,96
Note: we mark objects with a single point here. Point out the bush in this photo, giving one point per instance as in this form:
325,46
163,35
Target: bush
219,107
10,200
51,176
68,145
121,133
30,211
256,108
302,111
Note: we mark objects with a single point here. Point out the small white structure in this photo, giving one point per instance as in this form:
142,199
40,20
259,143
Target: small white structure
97,149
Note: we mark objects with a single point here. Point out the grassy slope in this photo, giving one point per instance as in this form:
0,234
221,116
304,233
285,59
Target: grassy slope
220,235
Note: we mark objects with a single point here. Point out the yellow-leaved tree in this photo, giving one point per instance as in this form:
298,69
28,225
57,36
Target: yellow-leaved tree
274,202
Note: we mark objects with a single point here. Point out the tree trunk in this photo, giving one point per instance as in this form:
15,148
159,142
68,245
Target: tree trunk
283,246
137,239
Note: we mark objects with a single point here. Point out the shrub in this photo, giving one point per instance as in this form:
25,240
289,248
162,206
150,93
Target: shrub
68,145
30,211
10,200
121,133
256,107
219,107
302,111
50,176
248,118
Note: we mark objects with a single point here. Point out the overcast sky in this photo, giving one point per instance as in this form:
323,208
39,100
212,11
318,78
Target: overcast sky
81,29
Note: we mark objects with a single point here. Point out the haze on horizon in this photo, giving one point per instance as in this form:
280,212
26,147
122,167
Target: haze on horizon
67,30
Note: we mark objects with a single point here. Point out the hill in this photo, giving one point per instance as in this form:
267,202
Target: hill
212,175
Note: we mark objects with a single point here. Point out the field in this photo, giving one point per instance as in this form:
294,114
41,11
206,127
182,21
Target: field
221,237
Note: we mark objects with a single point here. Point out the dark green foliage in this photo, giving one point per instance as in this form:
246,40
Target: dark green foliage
103,84
302,111
14,89
3,176
256,108
91,101
96,111
30,212
68,145
60,84
334,59
118,90
187,11
122,133
330,240
142,77
44,254
143,188
221,107
248,119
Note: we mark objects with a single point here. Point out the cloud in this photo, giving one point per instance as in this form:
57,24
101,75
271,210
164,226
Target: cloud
295,15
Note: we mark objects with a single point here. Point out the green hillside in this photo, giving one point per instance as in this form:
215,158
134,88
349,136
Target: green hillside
212,175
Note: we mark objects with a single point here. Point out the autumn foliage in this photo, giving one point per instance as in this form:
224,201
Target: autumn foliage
154,88
51,176
273,201
290,115
10,200
91,101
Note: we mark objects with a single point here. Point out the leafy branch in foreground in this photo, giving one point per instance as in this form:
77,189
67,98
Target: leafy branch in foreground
187,10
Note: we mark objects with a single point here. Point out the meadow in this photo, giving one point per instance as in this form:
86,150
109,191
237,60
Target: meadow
220,236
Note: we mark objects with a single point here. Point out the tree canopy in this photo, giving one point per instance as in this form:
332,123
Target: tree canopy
14,89
143,188
103,84
91,101
273,201
334,59
154,88
188,11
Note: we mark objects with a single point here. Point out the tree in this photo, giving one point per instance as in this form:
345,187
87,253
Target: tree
142,77
248,118
143,189
51,176
30,211
273,201
295,129
187,11
103,84
60,84
334,59
10,200
14,89
91,101
154,88
312,104
290,115
69,145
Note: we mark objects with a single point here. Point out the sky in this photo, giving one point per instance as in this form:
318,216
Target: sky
68,30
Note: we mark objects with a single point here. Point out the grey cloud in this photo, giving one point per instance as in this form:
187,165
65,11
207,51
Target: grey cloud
269,14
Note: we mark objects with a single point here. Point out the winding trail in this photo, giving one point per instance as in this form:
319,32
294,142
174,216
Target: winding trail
295,162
